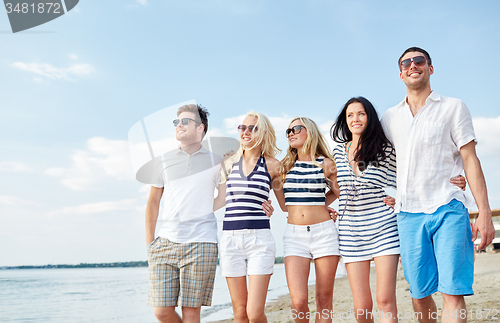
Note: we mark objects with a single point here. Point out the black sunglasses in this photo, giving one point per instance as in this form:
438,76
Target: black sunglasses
243,128
184,121
418,60
294,130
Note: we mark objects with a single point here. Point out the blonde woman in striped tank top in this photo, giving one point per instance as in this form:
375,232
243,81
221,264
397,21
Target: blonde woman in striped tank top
307,169
246,246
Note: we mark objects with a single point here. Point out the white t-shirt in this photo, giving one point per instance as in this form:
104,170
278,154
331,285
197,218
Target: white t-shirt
189,182
428,151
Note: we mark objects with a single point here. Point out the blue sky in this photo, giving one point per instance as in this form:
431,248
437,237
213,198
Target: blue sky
72,88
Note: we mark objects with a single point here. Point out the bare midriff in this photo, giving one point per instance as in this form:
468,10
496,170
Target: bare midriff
307,214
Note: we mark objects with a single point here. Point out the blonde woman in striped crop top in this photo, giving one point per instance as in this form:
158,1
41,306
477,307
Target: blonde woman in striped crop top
307,169
247,247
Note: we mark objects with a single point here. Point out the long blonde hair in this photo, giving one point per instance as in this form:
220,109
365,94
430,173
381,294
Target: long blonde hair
315,145
264,135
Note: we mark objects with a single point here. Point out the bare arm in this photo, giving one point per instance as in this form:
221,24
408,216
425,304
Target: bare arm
152,209
332,194
331,176
477,185
220,200
273,167
280,195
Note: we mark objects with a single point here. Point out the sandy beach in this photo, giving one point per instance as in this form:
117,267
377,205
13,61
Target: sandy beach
483,306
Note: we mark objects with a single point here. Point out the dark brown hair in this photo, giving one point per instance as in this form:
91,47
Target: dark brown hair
372,143
201,114
416,49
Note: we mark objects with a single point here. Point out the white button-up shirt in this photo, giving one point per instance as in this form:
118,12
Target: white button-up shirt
428,151
189,183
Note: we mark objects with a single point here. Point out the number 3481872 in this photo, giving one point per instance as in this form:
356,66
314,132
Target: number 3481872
47,7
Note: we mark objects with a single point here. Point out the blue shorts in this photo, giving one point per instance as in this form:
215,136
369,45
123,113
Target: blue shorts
437,251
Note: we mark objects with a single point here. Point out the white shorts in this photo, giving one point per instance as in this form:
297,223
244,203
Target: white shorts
311,241
247,252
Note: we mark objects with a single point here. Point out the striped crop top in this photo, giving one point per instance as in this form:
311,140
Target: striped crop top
244,197
305,184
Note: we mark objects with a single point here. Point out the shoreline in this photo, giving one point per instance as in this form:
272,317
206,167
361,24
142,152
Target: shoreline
483,306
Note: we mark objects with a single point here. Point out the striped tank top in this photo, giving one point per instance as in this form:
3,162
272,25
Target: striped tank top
244,197
305,184
367,226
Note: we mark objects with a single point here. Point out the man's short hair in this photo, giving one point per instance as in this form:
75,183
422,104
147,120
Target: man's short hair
416,49
201,114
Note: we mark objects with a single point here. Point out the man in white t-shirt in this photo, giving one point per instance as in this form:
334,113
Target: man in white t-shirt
434,141
183,258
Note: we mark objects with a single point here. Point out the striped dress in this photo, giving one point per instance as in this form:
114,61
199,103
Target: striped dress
367,226
305,184
244,197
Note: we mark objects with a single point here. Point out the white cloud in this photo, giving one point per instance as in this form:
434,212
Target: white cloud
52,72
16,201
231,124
325,130
102,160
487,133
14,167
73,56
281,124
215,132
100,207
325,127
142,2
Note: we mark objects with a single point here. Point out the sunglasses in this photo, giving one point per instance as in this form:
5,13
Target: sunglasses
294,130
243,128
184,121
418,60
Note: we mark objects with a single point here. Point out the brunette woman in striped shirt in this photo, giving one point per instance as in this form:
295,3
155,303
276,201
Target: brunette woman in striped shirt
366,164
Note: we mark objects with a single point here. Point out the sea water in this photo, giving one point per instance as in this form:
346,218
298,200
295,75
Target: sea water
101,295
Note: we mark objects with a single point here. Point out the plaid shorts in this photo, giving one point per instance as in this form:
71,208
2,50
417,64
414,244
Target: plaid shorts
181,274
